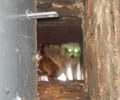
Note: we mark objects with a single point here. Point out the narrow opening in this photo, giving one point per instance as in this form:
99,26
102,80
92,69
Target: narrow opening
60,62
60,52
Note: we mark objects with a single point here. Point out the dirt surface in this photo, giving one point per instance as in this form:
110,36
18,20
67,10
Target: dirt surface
56,90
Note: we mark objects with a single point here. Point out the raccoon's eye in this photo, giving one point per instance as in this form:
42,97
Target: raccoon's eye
76,50
69,50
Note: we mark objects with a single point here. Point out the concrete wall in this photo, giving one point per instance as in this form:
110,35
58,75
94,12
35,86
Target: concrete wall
102,49
17,48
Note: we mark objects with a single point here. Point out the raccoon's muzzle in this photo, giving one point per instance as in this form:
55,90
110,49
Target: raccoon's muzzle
72,56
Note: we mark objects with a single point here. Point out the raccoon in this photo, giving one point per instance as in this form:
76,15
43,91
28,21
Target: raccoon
64,55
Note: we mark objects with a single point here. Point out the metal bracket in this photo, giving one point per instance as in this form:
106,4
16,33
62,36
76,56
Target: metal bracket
31,15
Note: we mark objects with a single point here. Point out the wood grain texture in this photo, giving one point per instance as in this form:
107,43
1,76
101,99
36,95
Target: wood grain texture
67,28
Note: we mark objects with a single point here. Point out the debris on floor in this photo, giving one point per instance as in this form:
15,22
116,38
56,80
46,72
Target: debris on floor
58,90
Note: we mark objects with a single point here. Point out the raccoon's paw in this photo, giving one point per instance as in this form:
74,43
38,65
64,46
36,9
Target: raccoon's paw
52,79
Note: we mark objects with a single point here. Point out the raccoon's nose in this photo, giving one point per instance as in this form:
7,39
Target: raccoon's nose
72,56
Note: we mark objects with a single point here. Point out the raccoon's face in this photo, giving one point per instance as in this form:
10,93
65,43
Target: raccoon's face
73,50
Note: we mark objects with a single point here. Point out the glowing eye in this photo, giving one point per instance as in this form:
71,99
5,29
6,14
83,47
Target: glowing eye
76,50
69,50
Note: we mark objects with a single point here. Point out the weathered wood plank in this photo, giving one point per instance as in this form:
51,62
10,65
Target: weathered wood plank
59,34
67,28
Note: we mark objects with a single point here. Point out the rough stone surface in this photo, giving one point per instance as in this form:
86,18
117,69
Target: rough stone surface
102,49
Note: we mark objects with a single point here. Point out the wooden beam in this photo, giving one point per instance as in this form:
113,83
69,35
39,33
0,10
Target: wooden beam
59,34
67,28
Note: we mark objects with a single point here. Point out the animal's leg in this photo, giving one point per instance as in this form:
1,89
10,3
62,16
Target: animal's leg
65,72
74,72
82,72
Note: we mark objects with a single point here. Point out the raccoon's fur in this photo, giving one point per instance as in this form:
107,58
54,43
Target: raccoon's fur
59,56
49,68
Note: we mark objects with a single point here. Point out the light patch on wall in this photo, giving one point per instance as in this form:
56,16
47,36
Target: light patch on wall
17,97
62,77
78,72
43,78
